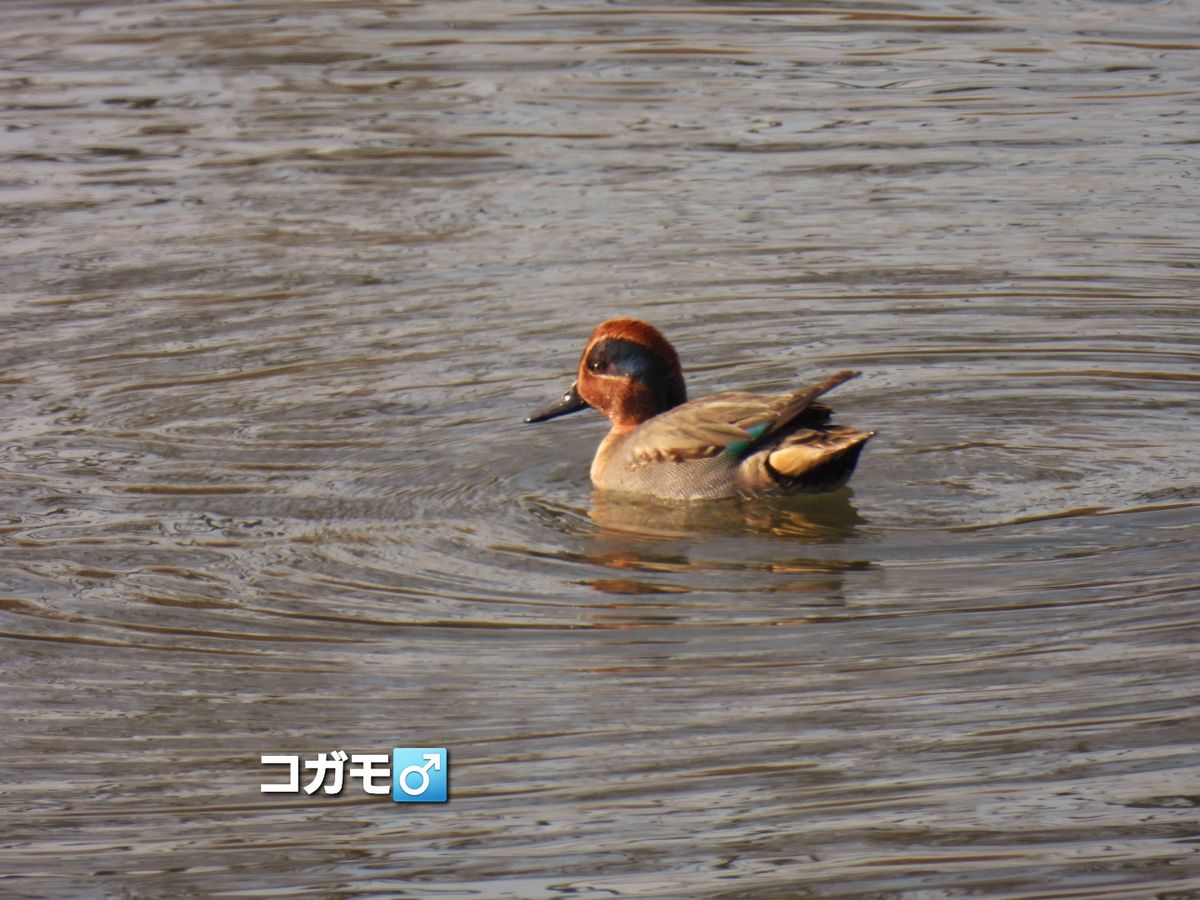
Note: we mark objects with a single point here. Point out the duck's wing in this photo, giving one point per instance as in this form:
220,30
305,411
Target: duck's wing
731,422
801,402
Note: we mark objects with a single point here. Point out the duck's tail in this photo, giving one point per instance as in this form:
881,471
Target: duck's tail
817,459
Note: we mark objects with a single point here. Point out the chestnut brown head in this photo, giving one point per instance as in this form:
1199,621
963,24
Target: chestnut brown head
628,371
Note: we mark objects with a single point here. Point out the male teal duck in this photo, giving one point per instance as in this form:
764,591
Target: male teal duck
729,444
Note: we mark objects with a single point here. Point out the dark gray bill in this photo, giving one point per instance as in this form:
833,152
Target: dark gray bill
569,402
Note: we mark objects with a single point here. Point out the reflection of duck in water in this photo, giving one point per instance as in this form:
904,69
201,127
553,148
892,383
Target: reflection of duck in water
825,519
730,444
656,548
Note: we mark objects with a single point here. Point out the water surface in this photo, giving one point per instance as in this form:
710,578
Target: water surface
281,281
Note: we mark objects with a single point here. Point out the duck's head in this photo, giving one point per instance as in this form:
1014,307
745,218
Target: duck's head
628,371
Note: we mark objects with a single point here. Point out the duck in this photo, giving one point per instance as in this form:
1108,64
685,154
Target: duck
725,445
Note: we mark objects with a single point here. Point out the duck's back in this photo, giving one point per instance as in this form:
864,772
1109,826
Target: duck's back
732,444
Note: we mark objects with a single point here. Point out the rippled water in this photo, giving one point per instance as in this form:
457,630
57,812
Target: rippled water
281,281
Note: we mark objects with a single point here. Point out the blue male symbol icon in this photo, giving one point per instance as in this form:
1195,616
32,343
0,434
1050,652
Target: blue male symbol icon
419,774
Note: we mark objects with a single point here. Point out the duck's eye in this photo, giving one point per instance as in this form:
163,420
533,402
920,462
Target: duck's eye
594,365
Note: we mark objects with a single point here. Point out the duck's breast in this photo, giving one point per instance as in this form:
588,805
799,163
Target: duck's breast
621,465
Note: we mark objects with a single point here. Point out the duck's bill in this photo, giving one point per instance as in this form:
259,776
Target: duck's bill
569,402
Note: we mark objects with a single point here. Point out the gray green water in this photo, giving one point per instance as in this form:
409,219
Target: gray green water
280,282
